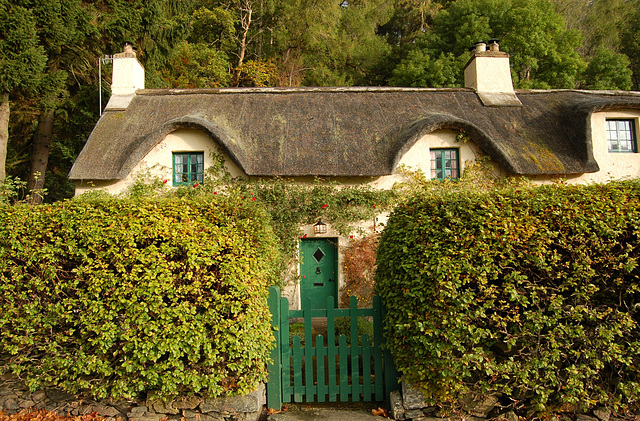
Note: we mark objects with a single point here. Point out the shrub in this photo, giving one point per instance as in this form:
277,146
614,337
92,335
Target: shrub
359,260
115,298
526,292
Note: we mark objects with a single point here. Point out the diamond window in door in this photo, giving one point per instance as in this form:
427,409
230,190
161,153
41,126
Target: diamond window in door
318,255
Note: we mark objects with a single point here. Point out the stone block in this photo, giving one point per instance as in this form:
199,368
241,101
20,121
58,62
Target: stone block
162,407
583,417
210,417
27,403
105,410
429,410
251,402
412,398
603,414
137,410
479,404
507,416
58,395
412,414
4,391
11,404
186,402
39,396
397,410
146,417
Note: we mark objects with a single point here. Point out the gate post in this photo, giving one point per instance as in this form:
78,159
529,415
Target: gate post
274,368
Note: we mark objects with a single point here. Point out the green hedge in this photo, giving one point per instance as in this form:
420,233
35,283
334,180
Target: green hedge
115,298
531,294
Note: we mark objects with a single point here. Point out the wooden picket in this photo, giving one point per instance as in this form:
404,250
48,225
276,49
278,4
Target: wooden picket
320,371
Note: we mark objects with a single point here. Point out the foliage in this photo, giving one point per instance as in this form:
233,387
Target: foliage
10,189
329,43
543,51
50,52
608,70
630,41
526,292
257,73
358,268
22,58
420,69
343,327
196,66
289,204
114,298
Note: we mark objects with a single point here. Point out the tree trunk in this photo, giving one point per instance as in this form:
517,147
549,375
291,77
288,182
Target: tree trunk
4,133
245,22
40,156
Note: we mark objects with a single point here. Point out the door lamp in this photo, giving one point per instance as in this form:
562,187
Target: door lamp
320,227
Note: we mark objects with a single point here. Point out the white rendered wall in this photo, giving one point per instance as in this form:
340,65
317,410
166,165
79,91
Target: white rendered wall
159,161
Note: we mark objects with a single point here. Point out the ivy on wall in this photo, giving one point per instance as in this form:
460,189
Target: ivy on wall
290,204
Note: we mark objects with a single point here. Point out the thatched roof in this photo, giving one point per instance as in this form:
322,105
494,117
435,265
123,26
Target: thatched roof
350,131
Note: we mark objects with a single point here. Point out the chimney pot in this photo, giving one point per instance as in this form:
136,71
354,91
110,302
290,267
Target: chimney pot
481,46
493,45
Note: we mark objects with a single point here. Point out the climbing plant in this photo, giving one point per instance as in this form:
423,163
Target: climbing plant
290,204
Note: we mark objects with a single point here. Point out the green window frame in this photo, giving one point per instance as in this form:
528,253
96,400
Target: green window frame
188,168
445,163
621,135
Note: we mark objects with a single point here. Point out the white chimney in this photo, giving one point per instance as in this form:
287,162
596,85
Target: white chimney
489,74
128,76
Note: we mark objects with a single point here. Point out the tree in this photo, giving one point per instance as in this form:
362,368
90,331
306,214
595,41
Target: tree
542,51
630,40
196,66
22,61
330,43
61,26
608,70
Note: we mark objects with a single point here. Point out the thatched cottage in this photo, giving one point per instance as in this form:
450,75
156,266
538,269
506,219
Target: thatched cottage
360,134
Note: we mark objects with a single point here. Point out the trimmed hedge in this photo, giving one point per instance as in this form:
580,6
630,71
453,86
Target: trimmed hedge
531,294
115,298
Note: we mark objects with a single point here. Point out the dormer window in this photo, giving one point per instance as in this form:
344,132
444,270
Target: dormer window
621,135
188,168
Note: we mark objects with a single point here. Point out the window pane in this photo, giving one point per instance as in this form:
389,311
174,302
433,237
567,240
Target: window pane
188,167
621,135
444,163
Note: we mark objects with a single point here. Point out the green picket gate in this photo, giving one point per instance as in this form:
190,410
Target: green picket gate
322,370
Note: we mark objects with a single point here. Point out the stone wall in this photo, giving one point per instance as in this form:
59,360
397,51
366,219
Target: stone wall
15,396
409,405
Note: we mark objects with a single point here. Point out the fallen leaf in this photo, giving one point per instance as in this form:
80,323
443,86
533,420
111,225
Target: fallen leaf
380,412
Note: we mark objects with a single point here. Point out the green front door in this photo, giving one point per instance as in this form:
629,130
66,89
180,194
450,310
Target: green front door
319,271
